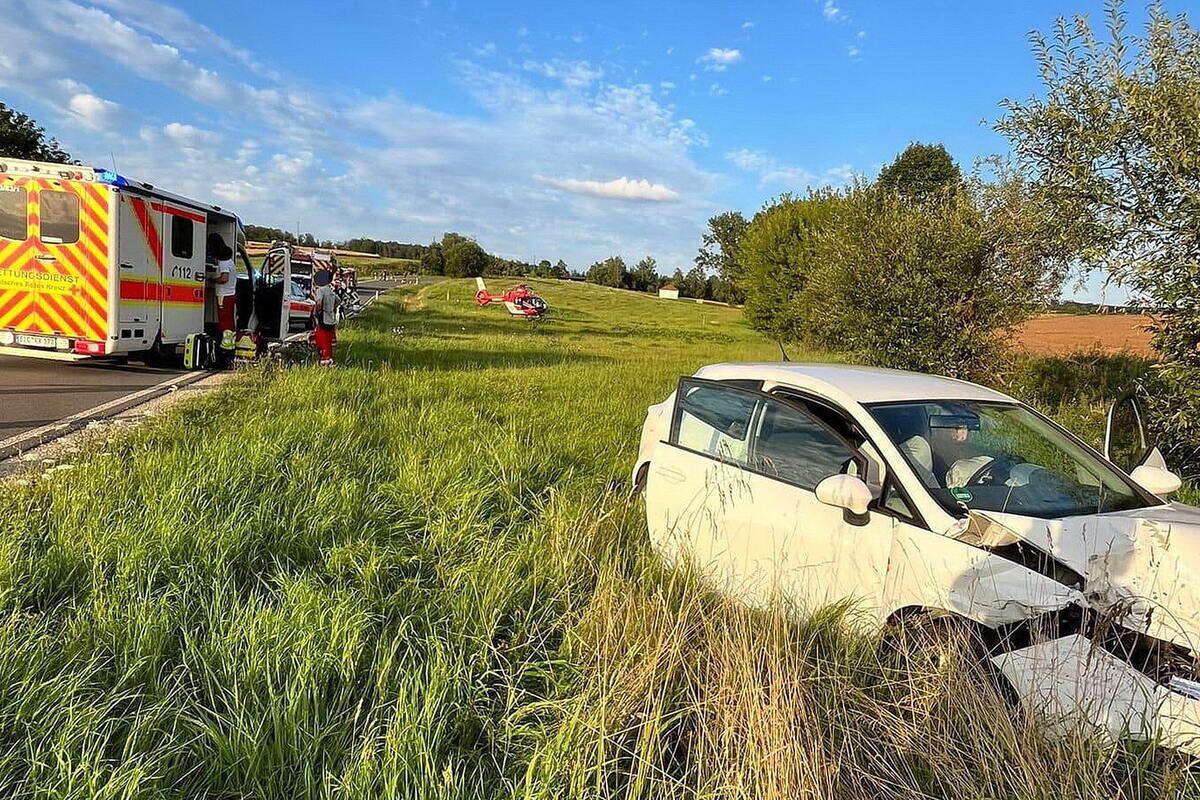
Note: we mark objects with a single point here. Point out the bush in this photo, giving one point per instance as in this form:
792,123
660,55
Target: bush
932,286
1083,377
777,254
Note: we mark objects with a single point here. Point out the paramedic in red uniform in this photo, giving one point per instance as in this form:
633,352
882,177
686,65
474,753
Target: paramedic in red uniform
325,313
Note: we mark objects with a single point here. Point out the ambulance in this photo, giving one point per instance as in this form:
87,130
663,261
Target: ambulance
95,265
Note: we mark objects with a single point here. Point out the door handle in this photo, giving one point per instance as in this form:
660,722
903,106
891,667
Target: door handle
672,475
126,266
200,277
44,258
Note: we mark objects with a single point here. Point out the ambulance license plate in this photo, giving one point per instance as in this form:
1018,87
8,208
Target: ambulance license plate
35,341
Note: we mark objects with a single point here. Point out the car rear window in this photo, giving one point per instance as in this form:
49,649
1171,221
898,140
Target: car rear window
714,420
14,214
60,217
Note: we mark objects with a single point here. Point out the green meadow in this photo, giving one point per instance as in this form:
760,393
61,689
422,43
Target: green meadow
420,575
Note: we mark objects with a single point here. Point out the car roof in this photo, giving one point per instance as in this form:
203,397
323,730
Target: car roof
854,383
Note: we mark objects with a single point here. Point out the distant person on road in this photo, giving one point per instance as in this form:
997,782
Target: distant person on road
325,314
225,287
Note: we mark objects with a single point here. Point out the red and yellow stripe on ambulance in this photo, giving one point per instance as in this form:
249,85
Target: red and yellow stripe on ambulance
172,289
54,258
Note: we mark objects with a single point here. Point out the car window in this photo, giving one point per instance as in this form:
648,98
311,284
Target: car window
60,217
13,214
714,420
791,445
892,500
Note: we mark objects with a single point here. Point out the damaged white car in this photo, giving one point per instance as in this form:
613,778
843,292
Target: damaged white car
916,494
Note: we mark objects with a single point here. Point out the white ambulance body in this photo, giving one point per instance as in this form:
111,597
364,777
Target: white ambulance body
93,264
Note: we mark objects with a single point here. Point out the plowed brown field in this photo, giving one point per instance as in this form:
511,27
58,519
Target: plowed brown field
1060,334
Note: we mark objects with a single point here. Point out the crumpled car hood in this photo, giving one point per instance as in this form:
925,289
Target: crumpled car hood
1142,566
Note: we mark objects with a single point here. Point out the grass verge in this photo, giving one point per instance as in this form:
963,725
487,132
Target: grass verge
407,577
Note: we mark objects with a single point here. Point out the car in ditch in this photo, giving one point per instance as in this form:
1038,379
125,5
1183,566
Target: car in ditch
924,497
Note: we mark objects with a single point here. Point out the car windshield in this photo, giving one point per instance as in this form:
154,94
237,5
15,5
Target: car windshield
1003,457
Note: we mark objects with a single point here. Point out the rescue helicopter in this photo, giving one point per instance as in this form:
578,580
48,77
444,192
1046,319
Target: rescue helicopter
520,300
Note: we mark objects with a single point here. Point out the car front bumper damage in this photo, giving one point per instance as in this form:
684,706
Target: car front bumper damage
1072,679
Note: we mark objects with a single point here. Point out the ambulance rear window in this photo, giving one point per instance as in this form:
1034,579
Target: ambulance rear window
13,214
60,218
181,236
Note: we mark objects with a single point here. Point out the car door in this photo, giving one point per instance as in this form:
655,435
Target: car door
815,554
1125,437
696,486
732,490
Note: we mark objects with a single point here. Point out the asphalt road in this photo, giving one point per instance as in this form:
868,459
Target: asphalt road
34,392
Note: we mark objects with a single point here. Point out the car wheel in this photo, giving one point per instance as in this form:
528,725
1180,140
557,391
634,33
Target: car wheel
929,641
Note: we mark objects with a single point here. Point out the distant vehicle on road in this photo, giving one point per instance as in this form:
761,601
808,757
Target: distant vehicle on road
941,505
94,264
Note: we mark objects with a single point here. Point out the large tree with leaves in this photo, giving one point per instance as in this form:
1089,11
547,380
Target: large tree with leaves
720,252
644,276
777,255
609,272
1114,145
21,137
922,171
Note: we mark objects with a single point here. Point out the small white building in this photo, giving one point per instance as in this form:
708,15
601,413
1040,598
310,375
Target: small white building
668,292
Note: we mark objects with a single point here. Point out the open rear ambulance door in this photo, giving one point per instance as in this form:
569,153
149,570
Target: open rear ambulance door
273,294
139,262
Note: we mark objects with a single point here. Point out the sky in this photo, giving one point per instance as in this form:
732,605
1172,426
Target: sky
542,129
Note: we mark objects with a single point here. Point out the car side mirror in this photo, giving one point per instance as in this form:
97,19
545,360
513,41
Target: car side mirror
849,493
1156,480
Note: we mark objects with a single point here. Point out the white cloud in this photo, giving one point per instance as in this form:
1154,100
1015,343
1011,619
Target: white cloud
767,79
717,90
831,11
853,51
616,189
293,165
186,135
747,25
93,112
771,172
666,86
385,167
177,28
719,59
573,74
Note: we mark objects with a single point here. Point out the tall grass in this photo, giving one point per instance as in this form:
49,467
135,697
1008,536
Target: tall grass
408,577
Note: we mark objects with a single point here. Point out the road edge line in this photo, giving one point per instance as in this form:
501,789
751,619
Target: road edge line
16,445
